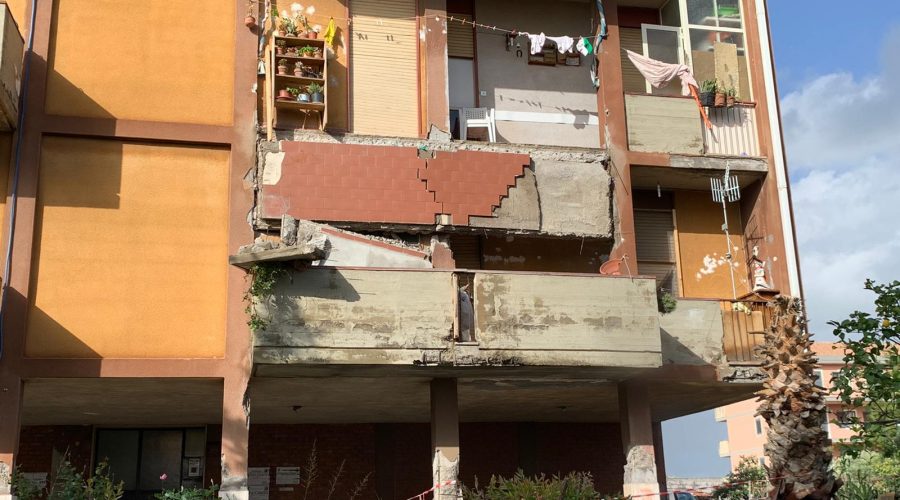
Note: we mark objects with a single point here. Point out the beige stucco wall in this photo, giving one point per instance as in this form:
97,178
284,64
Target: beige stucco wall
609,321
511,84
159,60
130,255
358,316
692,333
663,124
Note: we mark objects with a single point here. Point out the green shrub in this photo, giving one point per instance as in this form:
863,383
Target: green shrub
748,480
573,486
189,494
72,485
23,488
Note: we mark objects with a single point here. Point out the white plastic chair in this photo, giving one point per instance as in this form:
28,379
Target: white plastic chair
477,118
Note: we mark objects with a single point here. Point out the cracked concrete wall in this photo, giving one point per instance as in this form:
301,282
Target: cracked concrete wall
559,197
692,333
609,321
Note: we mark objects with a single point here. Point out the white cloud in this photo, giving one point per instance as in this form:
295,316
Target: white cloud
843,140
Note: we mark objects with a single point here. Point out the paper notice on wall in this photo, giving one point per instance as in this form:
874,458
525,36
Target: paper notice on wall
38,479
258,483
287,475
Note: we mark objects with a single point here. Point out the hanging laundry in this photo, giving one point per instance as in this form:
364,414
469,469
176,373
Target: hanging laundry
563,43
537,42
659,74
584,46
330,31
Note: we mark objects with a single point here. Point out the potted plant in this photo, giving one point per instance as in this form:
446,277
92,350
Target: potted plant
317,53
720,96
298,68
292,51
279,47
707,93
282,66
287,24
302,96
730,97
306,51
313,33
285,94
250,21
316,92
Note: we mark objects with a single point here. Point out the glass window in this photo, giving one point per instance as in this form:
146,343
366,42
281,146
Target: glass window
704,40
759,427
120,449
670,14
161,454
716,13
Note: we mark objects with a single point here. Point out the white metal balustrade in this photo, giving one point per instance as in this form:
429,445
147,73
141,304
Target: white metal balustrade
733,131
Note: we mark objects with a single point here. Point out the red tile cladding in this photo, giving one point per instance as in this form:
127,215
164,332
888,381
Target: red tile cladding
360,183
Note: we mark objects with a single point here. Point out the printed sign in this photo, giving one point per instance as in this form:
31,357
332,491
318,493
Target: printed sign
258,483
38,479
287,475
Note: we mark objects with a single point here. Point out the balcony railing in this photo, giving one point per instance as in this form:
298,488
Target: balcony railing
733,131
744,323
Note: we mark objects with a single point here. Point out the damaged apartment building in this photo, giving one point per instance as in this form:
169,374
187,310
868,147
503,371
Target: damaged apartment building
432,240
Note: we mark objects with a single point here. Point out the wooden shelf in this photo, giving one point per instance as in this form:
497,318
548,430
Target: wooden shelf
296,40
320,60
301,78
305,106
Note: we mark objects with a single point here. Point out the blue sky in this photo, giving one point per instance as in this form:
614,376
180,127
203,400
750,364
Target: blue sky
839,75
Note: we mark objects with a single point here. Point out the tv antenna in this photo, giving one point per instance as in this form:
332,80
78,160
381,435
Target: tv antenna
727,190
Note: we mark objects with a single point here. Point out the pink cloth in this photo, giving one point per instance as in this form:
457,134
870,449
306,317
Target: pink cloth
659,74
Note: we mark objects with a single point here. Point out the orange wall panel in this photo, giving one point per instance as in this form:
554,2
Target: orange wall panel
702,247
5,170
18,9
156,60
130,256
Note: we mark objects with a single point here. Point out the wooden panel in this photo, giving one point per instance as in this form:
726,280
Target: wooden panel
742,328
663,124
460,37
384,68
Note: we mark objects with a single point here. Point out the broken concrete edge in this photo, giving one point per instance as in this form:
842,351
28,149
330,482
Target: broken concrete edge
281,254
558,153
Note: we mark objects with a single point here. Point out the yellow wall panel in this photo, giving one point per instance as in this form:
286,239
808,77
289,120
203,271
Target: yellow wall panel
157,60
130,256
702,247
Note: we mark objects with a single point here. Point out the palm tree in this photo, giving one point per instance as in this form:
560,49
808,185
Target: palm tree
794,408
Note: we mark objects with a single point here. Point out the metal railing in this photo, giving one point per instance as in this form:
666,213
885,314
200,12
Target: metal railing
733,131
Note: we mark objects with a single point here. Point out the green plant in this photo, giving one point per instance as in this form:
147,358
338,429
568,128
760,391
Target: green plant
23,488
731,92
294,91
189,494
880,473
280,43
573,486
665,301
857,487
748,480
263,277
307,51
72,485
314,88
708,86
870,377
282,63
311,473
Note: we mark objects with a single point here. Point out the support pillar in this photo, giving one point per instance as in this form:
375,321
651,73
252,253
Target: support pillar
10,420
235,439
637,440
445,439
437,93
661,477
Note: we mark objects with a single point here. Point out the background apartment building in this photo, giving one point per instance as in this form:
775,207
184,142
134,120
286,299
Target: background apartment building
447,316
747,432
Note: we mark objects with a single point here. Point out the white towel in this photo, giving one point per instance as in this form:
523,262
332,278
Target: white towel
563,43
537,42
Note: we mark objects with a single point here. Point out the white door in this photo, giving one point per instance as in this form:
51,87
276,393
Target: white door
663,43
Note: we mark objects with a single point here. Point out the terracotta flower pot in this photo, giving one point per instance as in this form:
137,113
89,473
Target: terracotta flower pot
282,70
312,35
730,100
279,51
720,99
298,72
284,94
250,22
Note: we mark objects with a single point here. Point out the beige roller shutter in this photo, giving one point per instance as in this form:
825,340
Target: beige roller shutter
632,80
460,37
655,240
384,67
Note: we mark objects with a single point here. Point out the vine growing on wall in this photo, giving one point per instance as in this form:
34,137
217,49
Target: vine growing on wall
263,277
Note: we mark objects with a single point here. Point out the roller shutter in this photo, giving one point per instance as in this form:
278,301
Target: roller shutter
384,67
632,80
460,37
655,239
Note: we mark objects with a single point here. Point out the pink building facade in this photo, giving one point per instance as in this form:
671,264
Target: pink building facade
747,432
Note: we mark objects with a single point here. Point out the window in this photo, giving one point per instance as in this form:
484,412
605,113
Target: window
139,456
707,24
820,379
845,418
655,238
762,461
759,429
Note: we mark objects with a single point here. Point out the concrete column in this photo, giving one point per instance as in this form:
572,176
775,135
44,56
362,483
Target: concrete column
445,438
10,421
235,439
637,440
437,107
660,457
